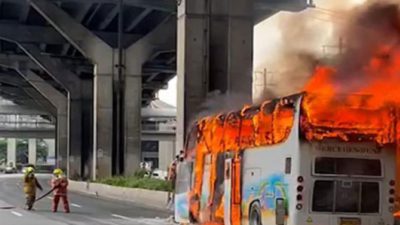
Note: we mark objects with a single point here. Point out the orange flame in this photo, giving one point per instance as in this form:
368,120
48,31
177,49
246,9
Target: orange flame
251,127
329,109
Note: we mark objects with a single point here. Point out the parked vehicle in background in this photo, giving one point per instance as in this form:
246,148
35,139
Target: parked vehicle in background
159,174
10,169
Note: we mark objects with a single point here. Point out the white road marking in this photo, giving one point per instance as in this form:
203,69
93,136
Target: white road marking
121,217
16,213
76,205
72,204
147,221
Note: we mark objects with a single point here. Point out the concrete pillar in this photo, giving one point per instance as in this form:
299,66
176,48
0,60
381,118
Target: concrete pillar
62,139
166,153
12,151
104,58
60,102
138,54
215,50
103,120
32,156
73,84
51,148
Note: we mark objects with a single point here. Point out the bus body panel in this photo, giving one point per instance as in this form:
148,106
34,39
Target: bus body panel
274,181
341,151
298,172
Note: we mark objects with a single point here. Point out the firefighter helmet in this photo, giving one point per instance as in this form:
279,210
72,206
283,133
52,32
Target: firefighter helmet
29,170
57,172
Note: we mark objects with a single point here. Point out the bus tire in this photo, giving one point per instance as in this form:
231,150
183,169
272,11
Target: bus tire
255,217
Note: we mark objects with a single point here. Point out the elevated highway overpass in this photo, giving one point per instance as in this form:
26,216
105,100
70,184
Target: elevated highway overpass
92,64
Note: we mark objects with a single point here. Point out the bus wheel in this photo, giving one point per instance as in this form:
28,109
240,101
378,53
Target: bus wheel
255,214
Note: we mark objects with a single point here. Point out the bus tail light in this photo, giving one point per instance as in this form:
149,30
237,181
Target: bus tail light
392,183
299,196
300,188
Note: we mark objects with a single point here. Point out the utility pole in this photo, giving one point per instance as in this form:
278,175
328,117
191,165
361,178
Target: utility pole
119,99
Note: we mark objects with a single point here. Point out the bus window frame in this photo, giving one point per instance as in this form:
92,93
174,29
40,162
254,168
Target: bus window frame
381,198
313,173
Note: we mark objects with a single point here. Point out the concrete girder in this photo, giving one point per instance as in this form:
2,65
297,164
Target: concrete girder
37,98
144,48
14,91
57,100
61,103
79,93
47,35
282,5
102,56
153,68
79,36
155,85
138,19
20,110
24,13
109,18
76,93
11,80
17,133
55,68
72,63
161,5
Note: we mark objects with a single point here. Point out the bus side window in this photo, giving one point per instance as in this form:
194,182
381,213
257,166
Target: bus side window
288,165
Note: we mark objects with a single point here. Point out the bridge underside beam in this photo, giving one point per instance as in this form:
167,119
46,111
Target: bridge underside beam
24,134
218,62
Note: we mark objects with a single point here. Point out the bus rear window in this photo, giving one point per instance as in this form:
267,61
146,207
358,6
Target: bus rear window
323,196
348,166
344,197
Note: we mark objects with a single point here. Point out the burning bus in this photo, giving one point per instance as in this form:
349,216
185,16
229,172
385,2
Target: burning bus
291,161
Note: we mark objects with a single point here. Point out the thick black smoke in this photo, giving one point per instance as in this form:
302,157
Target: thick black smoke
367,30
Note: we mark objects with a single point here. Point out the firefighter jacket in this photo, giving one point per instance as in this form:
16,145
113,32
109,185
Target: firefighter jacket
30,185
60,184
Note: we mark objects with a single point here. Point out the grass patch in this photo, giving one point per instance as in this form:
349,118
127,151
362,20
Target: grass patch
137,182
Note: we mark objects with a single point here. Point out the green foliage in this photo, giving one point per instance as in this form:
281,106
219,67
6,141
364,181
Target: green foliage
140,173
22,151
3,151
138,182
42,150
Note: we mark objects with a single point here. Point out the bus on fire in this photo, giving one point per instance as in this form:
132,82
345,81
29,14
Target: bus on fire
257,167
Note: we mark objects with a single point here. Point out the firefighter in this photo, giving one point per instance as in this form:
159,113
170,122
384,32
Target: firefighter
30,185
60,183
171,177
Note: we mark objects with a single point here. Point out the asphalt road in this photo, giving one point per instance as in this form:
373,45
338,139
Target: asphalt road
85,210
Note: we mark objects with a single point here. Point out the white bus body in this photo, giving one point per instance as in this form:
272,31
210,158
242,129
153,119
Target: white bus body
320,183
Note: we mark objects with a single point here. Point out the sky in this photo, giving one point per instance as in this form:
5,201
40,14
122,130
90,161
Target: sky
268,38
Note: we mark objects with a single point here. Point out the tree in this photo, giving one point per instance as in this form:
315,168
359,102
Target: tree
42,150
3,151
22,151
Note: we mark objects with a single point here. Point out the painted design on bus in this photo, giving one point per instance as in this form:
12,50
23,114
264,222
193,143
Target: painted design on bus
181,208
266,191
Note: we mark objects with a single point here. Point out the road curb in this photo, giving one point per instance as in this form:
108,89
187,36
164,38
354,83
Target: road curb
148,198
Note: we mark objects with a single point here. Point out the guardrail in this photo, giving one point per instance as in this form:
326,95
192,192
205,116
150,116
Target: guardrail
29,125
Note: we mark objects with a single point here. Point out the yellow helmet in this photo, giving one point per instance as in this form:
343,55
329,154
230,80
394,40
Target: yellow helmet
29,170
57,172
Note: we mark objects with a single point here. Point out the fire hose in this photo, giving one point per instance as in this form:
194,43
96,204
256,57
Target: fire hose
46,194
